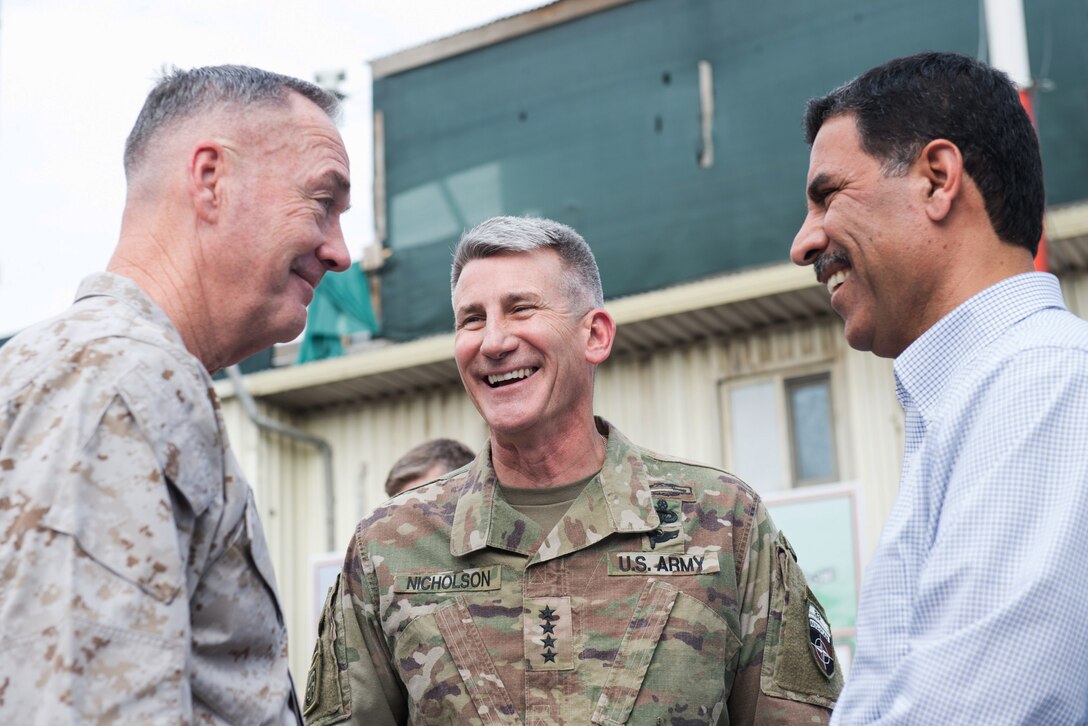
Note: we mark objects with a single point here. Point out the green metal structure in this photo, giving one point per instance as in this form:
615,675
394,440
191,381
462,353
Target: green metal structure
597,123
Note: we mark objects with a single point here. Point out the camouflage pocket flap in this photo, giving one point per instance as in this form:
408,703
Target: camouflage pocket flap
474,664
635,652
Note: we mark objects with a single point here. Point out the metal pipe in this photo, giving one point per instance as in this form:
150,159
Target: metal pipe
267,424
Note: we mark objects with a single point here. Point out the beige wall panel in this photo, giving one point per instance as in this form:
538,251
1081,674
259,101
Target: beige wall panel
368,439
1075,290
666,401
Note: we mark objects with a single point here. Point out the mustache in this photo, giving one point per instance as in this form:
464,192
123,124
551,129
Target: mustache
827,259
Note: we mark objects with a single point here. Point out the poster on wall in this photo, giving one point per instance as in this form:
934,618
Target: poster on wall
822,525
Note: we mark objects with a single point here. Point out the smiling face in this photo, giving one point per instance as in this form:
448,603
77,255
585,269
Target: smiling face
865,235
523,350
281,225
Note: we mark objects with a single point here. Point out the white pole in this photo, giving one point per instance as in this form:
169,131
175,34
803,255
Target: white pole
1007,40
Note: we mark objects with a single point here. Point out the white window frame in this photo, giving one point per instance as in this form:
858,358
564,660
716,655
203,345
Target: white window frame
780,378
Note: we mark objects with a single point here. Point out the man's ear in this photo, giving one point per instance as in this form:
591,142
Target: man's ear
602,332
206,171
941,164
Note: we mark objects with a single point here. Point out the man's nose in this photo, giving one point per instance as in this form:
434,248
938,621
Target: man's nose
497,340
333,252
809,242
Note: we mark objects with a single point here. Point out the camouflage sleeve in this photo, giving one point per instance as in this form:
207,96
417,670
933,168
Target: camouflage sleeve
94,617
787,673
351,674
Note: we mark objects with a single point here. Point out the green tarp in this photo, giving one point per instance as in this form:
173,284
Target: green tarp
341,309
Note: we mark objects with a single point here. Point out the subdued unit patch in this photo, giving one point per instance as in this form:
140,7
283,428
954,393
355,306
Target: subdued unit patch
819,633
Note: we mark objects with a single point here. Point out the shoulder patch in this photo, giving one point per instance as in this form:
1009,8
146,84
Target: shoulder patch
819,635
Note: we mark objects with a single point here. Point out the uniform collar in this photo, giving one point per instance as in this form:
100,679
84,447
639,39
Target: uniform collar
127,292
617,500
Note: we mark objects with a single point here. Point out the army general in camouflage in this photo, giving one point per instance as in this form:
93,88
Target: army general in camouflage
137,584
566,576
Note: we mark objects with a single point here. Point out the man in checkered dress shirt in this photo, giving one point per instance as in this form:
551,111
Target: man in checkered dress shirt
925,205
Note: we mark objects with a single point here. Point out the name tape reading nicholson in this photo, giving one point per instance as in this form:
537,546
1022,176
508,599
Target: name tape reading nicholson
477,580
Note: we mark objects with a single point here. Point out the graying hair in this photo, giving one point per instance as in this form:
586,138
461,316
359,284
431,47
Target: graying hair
514,235
181,94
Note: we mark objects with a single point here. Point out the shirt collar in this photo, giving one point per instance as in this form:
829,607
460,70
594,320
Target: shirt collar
923,370
616,500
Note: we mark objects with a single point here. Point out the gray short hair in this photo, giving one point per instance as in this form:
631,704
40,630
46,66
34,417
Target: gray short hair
181,94
514,235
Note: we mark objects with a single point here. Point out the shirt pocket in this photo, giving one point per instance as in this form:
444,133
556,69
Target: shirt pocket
671,662
448,672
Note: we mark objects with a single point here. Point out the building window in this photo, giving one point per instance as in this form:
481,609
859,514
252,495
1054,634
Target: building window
780,431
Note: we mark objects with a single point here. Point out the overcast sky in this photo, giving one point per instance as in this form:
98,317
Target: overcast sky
74,73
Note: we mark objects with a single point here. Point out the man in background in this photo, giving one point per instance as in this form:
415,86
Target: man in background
925,208
137,582
425,462
566,576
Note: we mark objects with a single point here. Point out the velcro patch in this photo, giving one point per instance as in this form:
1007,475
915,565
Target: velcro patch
668,490
475,580
549,634
819,635
650,563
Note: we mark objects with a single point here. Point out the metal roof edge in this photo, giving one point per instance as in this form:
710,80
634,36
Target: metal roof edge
1067,221
434,349
499,31
722,289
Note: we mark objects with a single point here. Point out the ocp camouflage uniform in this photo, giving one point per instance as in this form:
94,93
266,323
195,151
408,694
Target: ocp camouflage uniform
137,586
665,595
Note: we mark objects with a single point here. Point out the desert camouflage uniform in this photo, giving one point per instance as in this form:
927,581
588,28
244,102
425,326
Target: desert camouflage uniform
664,596
137,585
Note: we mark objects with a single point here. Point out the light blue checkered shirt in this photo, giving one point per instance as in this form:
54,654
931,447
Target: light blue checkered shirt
974,609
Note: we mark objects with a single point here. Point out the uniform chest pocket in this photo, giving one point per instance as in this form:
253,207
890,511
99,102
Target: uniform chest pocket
449,675
671,662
